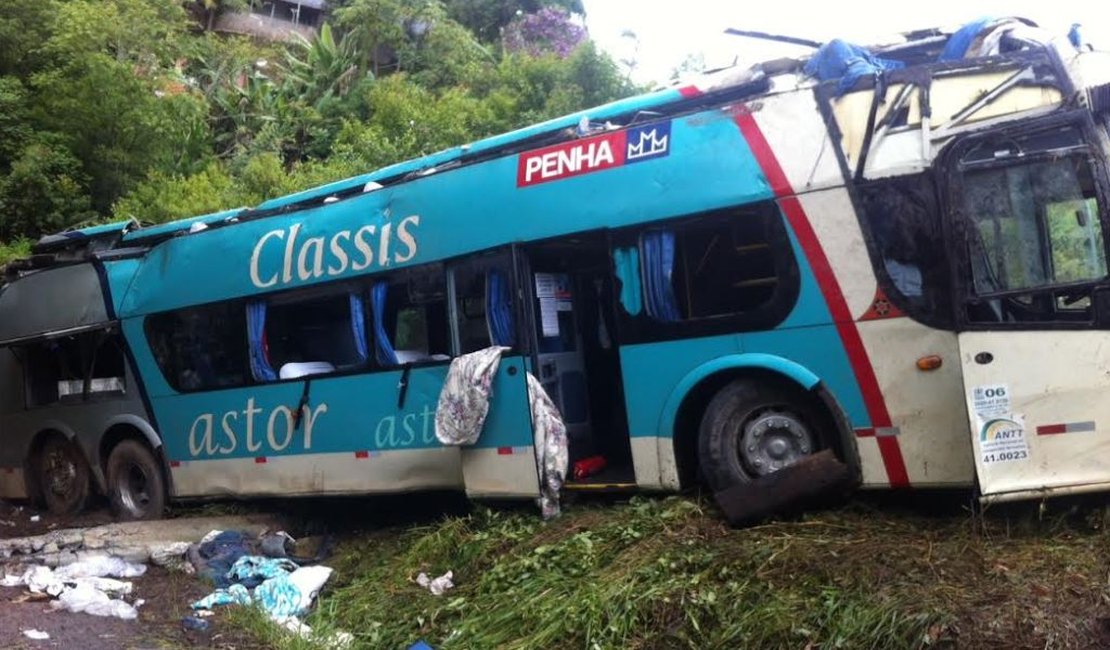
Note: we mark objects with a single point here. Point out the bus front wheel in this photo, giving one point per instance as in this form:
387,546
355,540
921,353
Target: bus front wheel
753,428
63,476
136,488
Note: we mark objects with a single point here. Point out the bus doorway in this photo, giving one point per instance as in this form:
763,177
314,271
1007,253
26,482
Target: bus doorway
576,356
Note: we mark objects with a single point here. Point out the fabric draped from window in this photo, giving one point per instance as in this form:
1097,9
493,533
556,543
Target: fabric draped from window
499,309
383,348
256,334
627,262
358,327
659,254
463,406
464,400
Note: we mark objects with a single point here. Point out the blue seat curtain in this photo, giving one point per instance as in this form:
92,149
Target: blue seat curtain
358,327
383,348
499,309
658,269
627,262
256,333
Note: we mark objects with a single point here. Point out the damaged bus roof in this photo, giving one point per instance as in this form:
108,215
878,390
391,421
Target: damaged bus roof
836,69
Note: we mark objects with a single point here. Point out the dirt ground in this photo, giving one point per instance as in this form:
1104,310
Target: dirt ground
167,595
22,520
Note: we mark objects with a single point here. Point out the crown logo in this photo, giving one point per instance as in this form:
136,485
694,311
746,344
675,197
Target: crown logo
650,144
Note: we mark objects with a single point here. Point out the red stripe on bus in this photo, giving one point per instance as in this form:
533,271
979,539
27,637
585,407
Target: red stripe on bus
1050,429
261,460
688,92
362,454
175,463
795,214
504,451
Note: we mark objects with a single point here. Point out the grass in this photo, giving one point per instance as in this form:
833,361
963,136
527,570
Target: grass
14,250
666,573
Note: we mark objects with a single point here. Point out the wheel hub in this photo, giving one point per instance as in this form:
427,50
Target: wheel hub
61,472
134,488
773,440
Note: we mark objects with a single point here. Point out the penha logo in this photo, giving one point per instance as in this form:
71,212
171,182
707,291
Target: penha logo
593,154
652,141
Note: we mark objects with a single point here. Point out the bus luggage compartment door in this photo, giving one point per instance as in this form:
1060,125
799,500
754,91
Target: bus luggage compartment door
1040,420
502,463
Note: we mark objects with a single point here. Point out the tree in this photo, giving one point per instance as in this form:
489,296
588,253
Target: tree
550,30
486,18
45,191
211,9
24,26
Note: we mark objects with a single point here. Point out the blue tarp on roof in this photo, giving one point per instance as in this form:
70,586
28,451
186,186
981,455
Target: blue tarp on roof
958,44
842,60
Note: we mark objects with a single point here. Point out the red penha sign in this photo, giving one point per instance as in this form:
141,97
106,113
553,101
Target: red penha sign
571,159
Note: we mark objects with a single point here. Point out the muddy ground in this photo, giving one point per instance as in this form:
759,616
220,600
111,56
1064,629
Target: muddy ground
1023,576
168,594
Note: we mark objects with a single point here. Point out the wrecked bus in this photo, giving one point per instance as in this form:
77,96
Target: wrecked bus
895,253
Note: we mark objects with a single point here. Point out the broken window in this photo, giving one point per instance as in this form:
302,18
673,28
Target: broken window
709,267
904,225
1034,231
410,317
725,270
201,348
484,312
73,368
311,333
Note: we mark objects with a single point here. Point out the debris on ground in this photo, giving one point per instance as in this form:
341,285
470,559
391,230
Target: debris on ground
88,570
259,570
88,585
438,585
196,624
37,635
157,542
796,486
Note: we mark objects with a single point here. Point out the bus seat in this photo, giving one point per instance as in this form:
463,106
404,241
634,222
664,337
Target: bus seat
294,370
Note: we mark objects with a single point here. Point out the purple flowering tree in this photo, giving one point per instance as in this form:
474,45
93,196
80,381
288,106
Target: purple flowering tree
550,30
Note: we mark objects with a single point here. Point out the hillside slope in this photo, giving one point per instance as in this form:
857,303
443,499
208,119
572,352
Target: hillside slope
666,573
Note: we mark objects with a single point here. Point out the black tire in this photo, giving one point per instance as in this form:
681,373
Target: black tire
63,476
136,488
744,403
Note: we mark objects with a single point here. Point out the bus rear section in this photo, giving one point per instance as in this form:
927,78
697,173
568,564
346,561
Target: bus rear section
72,417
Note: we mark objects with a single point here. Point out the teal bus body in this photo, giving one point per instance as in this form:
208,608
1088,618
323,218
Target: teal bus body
681,272
468,209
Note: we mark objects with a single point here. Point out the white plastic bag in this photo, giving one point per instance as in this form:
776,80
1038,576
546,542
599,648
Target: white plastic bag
438,585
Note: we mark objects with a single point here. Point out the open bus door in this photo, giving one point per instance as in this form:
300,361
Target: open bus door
1030,207
486,308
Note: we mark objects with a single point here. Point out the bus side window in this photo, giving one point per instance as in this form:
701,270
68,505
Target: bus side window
719,265
1035,245
908,252
483,304
53,370
201,348
57,369
316,334
410,317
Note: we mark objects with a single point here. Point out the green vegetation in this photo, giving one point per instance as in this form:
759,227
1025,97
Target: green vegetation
667,573
114,109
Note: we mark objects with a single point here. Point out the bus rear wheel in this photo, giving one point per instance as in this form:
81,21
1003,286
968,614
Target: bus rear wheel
63,476
136,488
751,429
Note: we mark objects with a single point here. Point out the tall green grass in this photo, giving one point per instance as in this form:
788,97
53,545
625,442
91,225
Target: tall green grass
647,574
